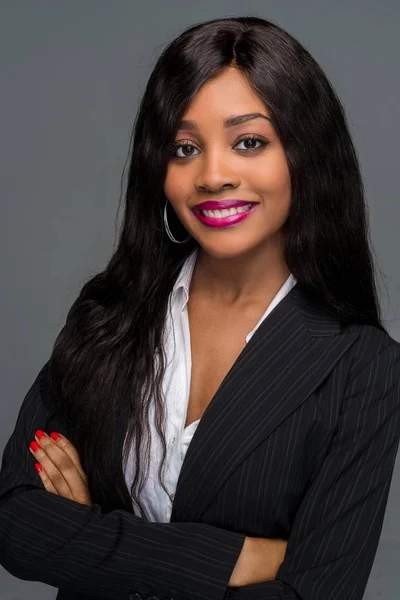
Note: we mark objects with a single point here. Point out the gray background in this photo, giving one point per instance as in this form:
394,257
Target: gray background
71,77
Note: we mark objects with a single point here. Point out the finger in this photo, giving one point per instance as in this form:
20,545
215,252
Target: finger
62,470
52,471
45,480
69,449
67,446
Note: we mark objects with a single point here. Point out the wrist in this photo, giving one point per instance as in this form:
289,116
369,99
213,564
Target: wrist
239,575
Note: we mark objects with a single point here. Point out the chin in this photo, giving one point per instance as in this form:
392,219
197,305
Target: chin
228,251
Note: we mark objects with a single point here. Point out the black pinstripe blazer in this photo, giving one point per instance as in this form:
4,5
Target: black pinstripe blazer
299,441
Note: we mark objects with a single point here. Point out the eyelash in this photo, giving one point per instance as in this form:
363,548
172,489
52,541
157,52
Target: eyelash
174,147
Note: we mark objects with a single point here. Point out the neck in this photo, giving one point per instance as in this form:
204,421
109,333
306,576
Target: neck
251,278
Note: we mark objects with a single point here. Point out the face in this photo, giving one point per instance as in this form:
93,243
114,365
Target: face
246,161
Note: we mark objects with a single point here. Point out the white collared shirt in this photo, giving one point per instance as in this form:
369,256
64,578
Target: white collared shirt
176,388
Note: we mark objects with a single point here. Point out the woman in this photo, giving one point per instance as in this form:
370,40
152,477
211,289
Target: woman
241,352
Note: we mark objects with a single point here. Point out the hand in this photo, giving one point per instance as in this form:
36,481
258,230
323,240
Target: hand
259,561
59,467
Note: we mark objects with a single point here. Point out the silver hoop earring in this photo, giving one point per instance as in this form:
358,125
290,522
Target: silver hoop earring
171,237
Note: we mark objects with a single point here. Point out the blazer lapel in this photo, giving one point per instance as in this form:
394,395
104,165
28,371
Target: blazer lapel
288,356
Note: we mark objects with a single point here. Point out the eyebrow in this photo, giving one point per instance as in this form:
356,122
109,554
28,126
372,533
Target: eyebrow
229,122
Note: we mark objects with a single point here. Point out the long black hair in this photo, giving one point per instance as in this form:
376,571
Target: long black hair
108,360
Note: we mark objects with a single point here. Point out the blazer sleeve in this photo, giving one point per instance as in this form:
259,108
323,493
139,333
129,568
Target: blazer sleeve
336,531
55,540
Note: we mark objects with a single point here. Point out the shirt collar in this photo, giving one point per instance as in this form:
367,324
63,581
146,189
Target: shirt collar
185,277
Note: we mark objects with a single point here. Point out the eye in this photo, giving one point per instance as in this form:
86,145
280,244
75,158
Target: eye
253,139
187,145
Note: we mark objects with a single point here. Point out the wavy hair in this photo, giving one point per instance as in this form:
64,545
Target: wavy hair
108,361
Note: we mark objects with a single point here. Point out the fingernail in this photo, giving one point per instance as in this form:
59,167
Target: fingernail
34,446
38,467
40,434
55,436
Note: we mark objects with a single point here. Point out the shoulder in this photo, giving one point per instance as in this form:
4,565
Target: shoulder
39,396
372,345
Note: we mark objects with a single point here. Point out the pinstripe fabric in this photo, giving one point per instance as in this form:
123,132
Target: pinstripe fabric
299,441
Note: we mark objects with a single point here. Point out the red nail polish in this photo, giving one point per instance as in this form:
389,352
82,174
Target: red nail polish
55,436
34,446
38,467
40,434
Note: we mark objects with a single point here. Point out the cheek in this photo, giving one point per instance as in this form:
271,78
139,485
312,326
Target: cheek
272,182
176,184
273,177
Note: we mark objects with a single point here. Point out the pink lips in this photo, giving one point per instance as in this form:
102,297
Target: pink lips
221,204
224,221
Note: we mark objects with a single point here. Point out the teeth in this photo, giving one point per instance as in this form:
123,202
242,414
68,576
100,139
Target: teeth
218,214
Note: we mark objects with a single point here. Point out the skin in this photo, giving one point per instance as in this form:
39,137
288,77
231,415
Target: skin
62,472
244,263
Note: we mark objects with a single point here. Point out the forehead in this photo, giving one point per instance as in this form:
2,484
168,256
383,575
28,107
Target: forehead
226,94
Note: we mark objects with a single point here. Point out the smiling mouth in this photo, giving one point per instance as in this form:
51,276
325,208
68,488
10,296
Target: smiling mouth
225,218
225,212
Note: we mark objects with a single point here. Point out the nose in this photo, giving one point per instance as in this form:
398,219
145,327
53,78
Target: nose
216,173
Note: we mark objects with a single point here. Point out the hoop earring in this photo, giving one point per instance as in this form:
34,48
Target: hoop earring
171,237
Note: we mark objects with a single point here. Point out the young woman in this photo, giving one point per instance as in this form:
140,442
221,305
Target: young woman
223,400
